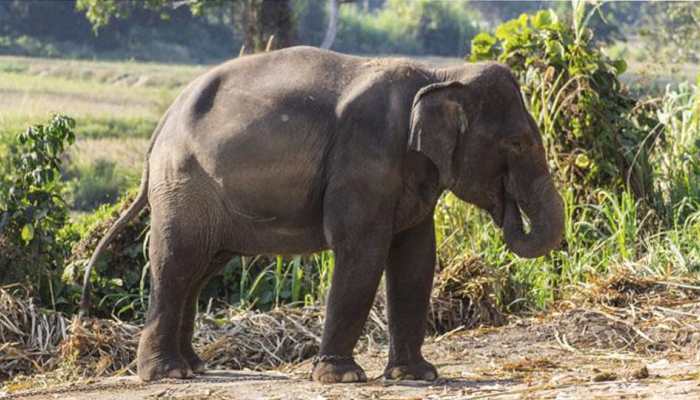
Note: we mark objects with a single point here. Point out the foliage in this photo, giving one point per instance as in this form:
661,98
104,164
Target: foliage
100,12
608,225
672,30
628,168
55,28
27,46
416,27
256,19
594,132
32,210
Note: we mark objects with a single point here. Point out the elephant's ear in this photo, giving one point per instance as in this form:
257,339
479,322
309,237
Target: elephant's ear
437,119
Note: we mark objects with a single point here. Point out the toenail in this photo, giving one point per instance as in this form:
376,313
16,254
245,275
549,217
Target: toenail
349,377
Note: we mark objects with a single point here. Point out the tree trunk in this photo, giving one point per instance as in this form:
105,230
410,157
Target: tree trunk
332,25
248,24
276,20
261,20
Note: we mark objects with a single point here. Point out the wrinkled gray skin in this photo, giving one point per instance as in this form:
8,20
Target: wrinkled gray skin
299,150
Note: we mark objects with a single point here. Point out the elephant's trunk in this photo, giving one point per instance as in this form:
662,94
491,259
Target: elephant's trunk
545,209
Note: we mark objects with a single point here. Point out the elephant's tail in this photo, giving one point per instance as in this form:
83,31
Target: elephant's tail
133,210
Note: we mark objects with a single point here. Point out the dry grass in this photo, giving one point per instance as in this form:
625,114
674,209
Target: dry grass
29,336
37,341
630,313
464,296
623,314
40,340
127,153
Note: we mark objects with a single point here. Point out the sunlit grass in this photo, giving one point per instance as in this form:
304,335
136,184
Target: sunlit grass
159,75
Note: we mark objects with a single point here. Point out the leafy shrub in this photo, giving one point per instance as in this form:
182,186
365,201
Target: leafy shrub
594,132
27,46
32,210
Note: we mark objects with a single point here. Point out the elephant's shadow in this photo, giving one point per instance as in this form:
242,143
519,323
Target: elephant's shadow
457,383
234,375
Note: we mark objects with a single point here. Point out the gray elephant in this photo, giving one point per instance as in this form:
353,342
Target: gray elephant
300,150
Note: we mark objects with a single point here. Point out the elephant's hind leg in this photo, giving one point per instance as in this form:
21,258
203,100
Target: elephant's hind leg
190,312
178,256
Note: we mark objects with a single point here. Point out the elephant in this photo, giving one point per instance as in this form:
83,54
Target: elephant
301,150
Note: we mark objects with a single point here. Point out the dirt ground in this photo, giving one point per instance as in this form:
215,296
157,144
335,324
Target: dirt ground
577,354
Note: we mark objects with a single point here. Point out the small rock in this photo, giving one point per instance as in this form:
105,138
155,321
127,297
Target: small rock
604,377
641,373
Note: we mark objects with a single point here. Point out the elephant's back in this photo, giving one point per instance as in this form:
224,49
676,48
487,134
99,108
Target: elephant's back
258,128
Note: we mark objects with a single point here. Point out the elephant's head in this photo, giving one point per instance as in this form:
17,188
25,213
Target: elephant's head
488,151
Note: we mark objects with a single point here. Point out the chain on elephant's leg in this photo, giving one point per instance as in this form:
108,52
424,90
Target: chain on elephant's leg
355,280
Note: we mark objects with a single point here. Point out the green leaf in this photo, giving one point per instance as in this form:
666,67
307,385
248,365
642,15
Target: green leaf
508,30
582,161
484,39
27,233
554,49
542,19
620,66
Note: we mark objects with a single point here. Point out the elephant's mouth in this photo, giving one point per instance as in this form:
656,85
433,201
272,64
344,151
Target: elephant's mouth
498,213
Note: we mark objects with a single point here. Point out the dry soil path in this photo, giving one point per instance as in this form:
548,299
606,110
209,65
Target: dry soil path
514,362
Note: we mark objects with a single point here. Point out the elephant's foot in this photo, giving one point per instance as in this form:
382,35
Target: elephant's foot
420,371
155,368
196,364
333,369
154,362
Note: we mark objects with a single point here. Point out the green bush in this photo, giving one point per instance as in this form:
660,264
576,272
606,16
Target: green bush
32,210
594,132
27,46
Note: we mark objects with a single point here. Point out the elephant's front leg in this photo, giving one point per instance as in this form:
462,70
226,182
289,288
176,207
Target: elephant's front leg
361,251
409,279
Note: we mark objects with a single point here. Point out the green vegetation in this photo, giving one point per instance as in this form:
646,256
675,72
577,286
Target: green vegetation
416,27
32,211
629,169
594,131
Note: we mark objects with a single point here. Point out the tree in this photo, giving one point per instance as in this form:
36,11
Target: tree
264,23
332,29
